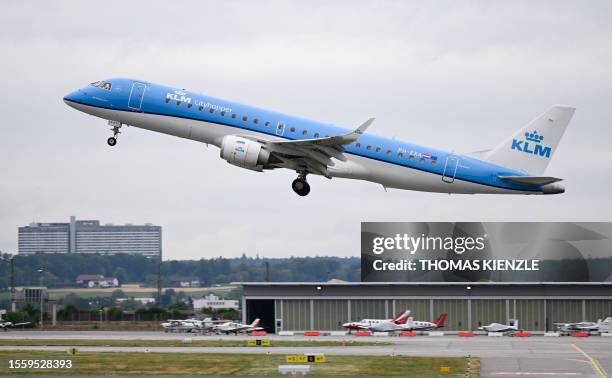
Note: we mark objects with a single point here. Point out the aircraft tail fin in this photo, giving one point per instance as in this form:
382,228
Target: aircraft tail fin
402,317
531,148
255,322
440,322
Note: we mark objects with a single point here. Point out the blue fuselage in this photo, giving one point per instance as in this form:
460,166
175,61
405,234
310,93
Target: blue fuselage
139,97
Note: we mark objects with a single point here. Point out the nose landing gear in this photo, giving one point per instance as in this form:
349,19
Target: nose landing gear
115,129
300,185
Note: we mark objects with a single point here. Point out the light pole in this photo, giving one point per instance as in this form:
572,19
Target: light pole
13,307
40,279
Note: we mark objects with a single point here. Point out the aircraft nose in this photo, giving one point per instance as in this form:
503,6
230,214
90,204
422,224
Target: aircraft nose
73,97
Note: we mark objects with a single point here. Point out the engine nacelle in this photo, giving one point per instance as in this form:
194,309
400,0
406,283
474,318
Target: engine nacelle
244,153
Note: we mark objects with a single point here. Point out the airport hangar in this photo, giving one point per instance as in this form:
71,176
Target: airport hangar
325,306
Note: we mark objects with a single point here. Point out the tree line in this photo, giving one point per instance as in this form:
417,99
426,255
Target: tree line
62,269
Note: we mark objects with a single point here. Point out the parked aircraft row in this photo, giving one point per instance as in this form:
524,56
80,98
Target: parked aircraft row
601,326
210,325
401,323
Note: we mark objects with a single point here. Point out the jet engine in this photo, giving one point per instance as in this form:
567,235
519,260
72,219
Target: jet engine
244,153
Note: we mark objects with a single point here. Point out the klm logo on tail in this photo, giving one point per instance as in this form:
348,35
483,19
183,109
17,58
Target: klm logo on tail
536,148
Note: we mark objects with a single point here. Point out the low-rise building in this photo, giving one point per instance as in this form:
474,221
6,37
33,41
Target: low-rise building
143,300
96,280
214,302
183,281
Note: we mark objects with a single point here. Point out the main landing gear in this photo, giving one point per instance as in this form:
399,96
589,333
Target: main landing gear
300,185
115,128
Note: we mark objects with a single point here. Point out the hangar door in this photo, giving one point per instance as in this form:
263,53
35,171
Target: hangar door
563,310
597,309
419,309
487,311
456,311
329,314
530,313
262,309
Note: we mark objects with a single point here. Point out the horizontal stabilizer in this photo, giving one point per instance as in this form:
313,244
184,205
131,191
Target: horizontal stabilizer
530,180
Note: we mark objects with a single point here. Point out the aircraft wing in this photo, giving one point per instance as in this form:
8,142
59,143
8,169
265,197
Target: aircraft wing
313,155
19,324
333,141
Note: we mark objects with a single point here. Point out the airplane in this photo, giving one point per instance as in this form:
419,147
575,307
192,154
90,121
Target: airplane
601,326
507,329
5,325
368,324
259,140
190,325
236,327
410,325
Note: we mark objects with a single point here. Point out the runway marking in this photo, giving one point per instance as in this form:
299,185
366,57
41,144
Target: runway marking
594,363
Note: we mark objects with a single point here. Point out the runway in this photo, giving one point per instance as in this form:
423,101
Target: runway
500,356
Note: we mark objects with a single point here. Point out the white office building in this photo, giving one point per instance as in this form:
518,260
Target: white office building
89,236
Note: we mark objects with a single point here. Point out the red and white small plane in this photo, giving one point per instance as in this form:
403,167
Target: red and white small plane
367,324
410,325
235,327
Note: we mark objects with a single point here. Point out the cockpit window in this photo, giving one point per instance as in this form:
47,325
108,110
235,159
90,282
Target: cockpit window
102,84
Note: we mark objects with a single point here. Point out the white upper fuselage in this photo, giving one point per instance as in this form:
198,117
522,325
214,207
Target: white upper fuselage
389,162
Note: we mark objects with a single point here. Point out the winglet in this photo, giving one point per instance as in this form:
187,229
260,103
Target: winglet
350,138
361,129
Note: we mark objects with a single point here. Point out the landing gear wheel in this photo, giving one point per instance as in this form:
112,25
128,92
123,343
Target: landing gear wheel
111,141
301,187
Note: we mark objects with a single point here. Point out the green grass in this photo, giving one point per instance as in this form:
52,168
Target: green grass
242,365
170,343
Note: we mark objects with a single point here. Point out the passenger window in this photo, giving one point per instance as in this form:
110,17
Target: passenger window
389,152
167,100
400,154
304,132
245,118
378,149
316,135
200,108
357,145
434,162
189,105
178,103
422,160
368,147
233,115
411,157
211,110
267,123
255,121
223,113
292,129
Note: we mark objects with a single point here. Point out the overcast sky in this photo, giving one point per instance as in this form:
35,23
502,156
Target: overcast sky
460,76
